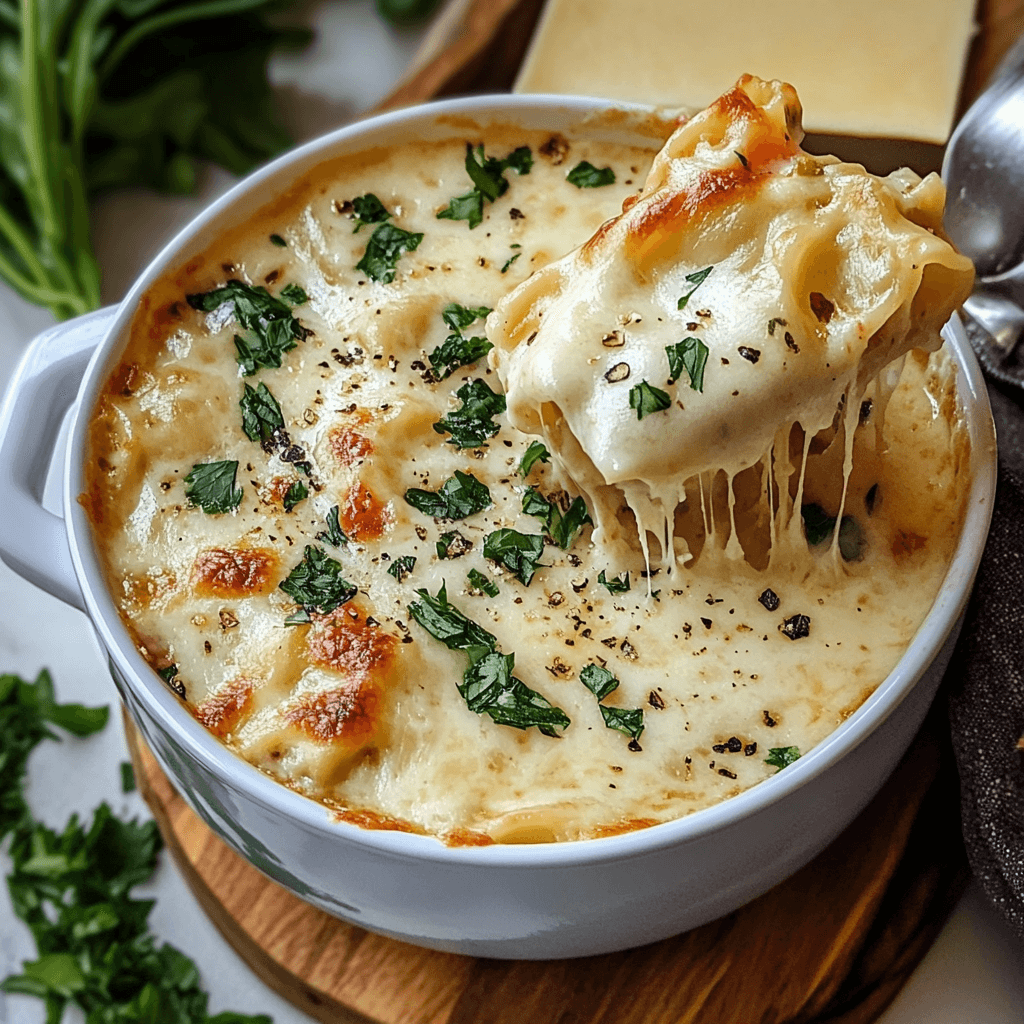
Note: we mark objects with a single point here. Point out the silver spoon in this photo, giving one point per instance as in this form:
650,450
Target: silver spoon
984,175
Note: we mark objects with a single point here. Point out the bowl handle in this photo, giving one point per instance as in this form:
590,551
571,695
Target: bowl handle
34,541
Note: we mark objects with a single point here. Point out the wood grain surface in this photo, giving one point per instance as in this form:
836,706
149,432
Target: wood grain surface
832,944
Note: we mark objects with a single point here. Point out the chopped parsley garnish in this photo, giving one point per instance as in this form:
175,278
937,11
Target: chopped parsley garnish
517,552
647,399
508,263
127,777
334,534
452,545
471,424
563,527
776,321
616,585
386,245
369,210
167,673
478,581
261,415
211,487
537,452
488,176
460,495
402,566
487,686
296,493
586,175
457,350
316,582
691,355
294,294
273,330
279,241
697,278
599,681
782,757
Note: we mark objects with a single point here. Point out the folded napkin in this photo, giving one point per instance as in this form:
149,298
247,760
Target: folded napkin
985,682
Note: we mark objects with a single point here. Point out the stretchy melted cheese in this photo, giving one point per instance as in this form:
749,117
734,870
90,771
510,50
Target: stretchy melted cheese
729,659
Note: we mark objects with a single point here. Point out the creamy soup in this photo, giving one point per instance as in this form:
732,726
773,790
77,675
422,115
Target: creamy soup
542,573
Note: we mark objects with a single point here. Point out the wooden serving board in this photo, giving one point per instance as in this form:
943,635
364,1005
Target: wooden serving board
831,945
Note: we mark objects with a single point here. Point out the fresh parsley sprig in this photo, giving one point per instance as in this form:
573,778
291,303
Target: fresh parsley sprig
457,350
489,182
472,423
317,584
369,210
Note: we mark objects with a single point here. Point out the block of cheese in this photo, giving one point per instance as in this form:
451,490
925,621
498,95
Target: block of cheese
879,68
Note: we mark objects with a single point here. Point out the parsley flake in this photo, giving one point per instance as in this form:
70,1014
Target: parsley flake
586,175
616,585
457,350
261,415
296,493
537,452
279,241
517,552
471,424
478,581
562,527
459,496
294,294
211,487
691,355
369,210
599,681
386,245
401,567
697,278
316,582
782,757
334,534
457,316
488,176
646,399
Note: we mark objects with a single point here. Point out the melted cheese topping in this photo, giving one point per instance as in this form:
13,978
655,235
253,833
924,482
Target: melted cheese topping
360,707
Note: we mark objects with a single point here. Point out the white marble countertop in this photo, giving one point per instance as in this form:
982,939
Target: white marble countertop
974,972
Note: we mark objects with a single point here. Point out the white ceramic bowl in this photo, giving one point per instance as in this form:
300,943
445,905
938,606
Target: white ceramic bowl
535,901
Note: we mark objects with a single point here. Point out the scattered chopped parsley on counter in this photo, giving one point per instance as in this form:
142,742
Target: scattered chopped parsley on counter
646,399
471,424
385,247
691,355
489,182
782,757
273,330
369,210
211,487
600,682
487,686
261,414
316,582
616,585
460,495
334,534
296,493
457,350
478,581
517,552
586,175
402,566
537,452
562,527
72,889
697,278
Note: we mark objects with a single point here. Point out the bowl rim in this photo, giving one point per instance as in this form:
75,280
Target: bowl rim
219,761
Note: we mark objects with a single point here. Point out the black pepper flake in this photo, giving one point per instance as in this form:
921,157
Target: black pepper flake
790,343
750,354
821,307
634,746
515,214
865,410
796,627
655,701
728,774
750,749
769,599
707,622
870,498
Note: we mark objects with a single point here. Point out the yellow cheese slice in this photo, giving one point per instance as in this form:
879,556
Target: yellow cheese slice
881,68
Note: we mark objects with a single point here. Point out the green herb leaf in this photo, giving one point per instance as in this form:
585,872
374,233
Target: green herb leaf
478,581
776,321
386,245
316,582
452,545
369,210
211,487
627,720
508,263
782,757
444,622
456,351
647,399
563,529
617,585
334,534
691,355
469,207
471,424
537,452
401,567
487,175
296,493
697,278
586,175
460,495
599,681
489,688
517,552
294,294
457,317
261,415
279,241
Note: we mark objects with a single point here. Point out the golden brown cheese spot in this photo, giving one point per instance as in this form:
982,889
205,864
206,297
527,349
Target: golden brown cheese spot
374,821
905,543
467,837
622,827
222,711
240,572
349,446
274,492
123,380
347,642
363,515
349,713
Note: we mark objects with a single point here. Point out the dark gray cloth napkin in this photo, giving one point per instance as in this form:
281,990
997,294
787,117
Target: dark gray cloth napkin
985,683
